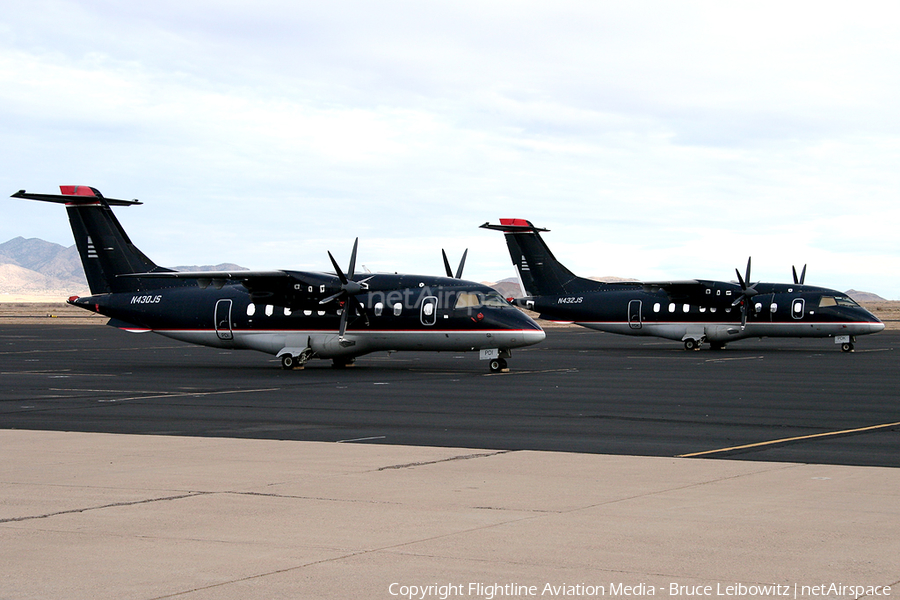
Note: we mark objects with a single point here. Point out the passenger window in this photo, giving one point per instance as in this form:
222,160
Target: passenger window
269,310
287,311
672,307
773,308
251,309
686,308
398,308
378,308
656,307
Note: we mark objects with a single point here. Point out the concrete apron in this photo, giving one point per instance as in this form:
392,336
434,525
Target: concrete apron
121,516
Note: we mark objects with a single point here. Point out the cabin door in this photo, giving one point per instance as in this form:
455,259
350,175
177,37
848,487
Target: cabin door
428,314
634,314
223,320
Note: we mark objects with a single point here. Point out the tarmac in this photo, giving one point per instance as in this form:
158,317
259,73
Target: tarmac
86,515
89,509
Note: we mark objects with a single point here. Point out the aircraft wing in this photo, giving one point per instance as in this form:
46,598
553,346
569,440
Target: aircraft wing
293,289
697,291
690,291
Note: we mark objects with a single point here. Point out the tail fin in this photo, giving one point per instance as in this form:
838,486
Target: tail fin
103,245
539,271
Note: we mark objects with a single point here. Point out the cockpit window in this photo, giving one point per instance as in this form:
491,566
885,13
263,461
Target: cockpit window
836,301
475,299
845,301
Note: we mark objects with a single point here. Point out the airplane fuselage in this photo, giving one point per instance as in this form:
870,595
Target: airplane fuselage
777,310
418,313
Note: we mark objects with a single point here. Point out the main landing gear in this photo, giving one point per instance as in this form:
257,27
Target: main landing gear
692,344
295,362
291,362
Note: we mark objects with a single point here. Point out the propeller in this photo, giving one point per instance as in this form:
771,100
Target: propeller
349,289
748,290
802,278
459,270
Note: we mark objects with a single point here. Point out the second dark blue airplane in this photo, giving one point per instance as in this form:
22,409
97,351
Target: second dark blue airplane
694,312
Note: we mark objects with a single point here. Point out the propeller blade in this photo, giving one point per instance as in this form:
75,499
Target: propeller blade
361,309
352,270
747,278
802,275
462,263
332,297
740,279
337,269
446,264
343,327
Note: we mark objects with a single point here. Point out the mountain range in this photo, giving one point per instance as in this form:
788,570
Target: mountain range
35,268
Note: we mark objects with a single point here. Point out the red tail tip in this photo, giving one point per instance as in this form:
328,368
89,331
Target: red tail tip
78,190
515,222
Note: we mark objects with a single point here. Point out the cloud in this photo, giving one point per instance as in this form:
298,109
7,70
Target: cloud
688,136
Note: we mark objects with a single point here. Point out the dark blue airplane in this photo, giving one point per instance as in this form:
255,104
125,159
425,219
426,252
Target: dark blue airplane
294,315
693,311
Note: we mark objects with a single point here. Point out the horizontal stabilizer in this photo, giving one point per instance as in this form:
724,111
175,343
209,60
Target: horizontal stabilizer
514,226
75,195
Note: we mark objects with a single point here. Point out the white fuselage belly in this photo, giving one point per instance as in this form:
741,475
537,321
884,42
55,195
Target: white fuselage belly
721,332
360,342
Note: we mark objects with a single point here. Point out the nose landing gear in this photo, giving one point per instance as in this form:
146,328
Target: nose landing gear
498,365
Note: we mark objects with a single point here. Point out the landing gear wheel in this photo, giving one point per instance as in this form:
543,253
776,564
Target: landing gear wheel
847,347
716,346
691,344
289,362
498,365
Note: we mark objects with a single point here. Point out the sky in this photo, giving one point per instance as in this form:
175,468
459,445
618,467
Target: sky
656,140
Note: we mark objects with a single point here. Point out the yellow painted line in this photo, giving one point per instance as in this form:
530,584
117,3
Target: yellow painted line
791,439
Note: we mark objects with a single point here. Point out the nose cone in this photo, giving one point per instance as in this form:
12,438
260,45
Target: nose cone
866,322
531,331
520,329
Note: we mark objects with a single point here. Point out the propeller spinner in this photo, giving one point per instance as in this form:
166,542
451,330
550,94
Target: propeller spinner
748,290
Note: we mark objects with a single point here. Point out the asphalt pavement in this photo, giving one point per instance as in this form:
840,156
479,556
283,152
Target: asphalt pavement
578,391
